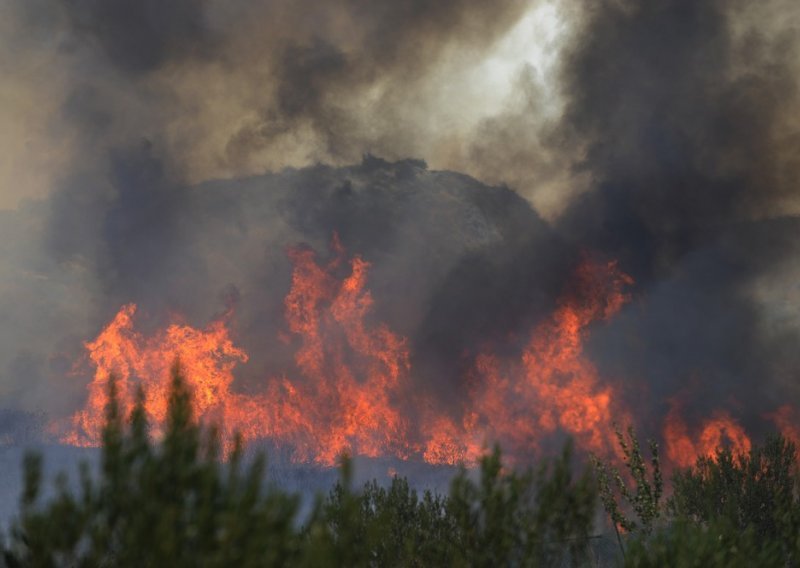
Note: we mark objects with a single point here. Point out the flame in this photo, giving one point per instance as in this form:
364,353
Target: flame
207,357
552,386
350,371
718,431
785,418
341,402
352,389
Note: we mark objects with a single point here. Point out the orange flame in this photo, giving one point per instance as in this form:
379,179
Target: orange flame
553,385
350,371
716,432
341,403
352,390
207,356
785,418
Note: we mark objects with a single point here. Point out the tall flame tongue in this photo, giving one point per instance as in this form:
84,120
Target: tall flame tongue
552,386
352,389
349,372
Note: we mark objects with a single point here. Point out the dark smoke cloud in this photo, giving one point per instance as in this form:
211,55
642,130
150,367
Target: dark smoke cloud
686,113
685,127
138,37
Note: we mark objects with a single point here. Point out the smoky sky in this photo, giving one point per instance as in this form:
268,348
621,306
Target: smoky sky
187,144
687,142
682,127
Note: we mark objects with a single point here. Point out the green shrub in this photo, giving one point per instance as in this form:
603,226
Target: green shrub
754,490
170,504
730,510
178,503
684,544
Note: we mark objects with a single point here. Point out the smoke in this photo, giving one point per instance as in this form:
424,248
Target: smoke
168,153
686,112
687,128
225,89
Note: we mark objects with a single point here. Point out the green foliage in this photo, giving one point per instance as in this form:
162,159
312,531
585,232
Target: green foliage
688,545
165,505
178,503
619,500
382,527
755,492
730,510
504,518
536,518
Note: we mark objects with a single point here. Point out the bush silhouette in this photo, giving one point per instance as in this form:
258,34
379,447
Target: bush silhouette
177,502
180,502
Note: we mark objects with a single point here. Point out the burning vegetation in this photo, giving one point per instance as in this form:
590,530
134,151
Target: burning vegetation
352,389
607,235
